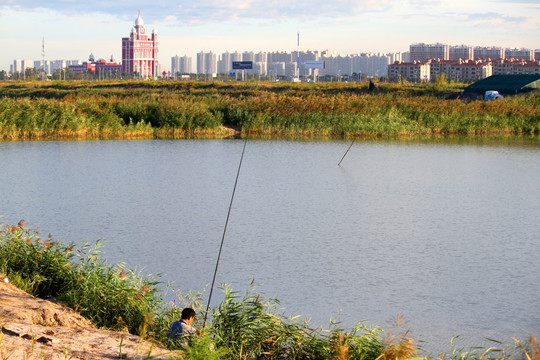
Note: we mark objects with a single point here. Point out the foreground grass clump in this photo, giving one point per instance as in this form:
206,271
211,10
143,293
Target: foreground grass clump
247,326
109,296
135,109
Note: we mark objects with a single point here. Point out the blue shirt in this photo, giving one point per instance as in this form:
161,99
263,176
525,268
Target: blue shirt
180,330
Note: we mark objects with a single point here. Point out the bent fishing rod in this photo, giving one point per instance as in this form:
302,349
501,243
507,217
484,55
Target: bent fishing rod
223,236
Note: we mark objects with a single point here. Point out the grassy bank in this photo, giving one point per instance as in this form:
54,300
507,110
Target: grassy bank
242,326
78,110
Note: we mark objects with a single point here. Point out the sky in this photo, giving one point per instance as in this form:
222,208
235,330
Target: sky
72,29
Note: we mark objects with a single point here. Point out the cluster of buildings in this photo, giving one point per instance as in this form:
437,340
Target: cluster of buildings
139,56
286,64
423,62
463,63
49,66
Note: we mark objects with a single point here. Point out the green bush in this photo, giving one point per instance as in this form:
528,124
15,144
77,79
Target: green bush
107,295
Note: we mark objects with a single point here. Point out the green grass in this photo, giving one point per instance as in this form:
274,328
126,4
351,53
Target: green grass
242,326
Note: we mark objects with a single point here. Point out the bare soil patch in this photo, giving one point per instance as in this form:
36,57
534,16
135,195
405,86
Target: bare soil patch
34,328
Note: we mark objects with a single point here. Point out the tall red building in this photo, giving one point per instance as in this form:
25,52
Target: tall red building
140,51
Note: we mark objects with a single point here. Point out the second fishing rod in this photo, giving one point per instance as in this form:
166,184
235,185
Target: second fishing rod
224,233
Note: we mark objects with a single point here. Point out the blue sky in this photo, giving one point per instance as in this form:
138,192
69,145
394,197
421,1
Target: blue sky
74,28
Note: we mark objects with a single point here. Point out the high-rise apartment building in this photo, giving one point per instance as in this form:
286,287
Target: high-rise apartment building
337,65
462,52
275,57
206,63
371,64
19,66
140,51
493,53
181,65
422,52
520,54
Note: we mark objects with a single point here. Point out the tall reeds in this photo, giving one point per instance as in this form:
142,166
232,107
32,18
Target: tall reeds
109,296
148,109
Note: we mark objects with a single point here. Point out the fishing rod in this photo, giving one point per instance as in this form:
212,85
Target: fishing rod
346,153
223,236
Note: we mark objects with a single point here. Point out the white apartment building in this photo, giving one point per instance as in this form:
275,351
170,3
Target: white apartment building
422,52
226,60
520,54
206,63
463,52
371,64
19,66
493,53
181,65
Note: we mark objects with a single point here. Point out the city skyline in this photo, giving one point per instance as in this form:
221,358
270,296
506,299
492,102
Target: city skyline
73,30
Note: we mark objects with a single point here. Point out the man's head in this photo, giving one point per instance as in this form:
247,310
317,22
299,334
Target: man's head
188,314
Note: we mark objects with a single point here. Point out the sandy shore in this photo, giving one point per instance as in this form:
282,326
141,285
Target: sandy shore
34,328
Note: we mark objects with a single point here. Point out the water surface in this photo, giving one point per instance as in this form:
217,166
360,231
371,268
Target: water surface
445,233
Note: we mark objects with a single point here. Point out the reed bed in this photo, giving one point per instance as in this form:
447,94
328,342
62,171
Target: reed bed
243,326
183,109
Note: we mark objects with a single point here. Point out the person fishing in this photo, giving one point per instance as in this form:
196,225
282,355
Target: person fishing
181,330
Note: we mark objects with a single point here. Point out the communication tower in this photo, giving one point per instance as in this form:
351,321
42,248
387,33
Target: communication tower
43,59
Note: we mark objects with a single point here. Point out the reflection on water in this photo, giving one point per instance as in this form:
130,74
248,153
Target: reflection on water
442,231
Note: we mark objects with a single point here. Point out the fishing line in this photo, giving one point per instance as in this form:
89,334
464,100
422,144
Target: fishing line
224,232
346,153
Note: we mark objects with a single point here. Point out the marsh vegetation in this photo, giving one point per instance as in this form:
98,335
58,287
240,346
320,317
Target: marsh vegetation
130,109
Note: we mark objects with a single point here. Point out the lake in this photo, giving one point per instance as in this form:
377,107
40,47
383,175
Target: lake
445,232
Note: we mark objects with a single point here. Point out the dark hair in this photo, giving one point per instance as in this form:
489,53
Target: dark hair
187,313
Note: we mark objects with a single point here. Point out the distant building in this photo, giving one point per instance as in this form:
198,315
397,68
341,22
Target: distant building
516,67
337,65
459,70
375,65
470,70
463,52
411,71
437,68
181,65
422,52
19,66
225,63
100,66
520,54
140,51
206,63
398,56
493,53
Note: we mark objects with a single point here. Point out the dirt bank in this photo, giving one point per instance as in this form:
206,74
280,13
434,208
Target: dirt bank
34,328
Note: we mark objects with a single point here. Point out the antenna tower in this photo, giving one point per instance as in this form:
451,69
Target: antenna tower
298,55
43,58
